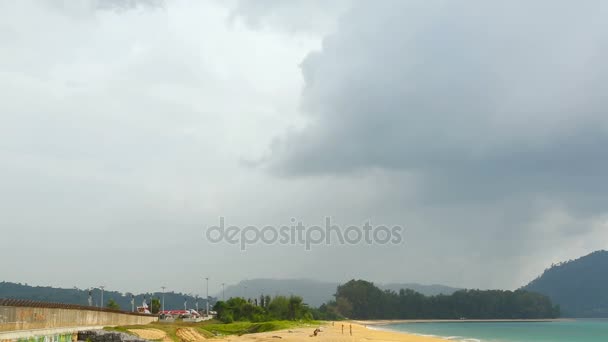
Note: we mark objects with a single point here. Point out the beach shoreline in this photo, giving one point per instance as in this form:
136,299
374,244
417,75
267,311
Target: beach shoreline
363,331
399,321
333,333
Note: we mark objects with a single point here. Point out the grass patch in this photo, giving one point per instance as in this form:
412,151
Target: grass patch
118,329
241,328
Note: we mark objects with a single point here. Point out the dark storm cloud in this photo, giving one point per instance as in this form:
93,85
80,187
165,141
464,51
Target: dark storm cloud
479,99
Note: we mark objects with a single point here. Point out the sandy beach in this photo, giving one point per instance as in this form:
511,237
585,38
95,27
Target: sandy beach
332,333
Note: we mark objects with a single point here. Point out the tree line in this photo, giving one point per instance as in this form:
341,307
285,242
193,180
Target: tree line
359,299
264,309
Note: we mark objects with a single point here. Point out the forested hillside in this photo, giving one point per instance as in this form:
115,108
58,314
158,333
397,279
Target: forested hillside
80,296
579,286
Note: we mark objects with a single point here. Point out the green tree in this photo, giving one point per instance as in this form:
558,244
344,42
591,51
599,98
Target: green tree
295,308
278,308
112,304
261,301
224,313
344,307
327,312
155,306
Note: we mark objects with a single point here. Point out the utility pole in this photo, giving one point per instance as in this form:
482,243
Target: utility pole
207,299
223,294
163,287
101,304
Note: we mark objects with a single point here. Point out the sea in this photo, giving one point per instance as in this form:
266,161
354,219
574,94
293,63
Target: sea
587,330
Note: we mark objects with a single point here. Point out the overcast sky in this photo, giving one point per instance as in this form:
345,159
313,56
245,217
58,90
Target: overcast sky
127,127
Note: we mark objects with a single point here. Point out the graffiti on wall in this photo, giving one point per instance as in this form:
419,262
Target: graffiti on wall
50,338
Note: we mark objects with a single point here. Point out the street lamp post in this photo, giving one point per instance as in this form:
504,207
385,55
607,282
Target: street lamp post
207,298
163,297
101,304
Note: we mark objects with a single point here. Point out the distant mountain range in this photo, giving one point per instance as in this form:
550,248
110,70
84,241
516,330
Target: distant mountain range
315,292
579,286
79,296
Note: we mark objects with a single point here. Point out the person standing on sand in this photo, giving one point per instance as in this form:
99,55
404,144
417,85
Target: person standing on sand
351,329
342,329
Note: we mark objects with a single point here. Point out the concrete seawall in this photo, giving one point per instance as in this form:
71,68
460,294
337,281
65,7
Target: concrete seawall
26,317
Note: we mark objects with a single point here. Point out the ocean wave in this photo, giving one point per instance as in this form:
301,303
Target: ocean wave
449,338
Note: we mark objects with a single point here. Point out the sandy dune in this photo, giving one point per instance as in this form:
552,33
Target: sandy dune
151,334
189,335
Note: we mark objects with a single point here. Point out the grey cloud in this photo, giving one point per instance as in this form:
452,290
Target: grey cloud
128,4
315,16
480,99
87,8
121,133
496,110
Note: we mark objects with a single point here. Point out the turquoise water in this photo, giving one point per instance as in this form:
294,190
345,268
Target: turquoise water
570,331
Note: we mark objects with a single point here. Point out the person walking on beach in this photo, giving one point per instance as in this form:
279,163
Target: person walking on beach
351,329
342,329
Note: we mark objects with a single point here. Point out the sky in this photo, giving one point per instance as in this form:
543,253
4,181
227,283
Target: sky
129,127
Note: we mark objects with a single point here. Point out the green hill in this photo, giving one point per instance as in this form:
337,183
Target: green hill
579,286
173,300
